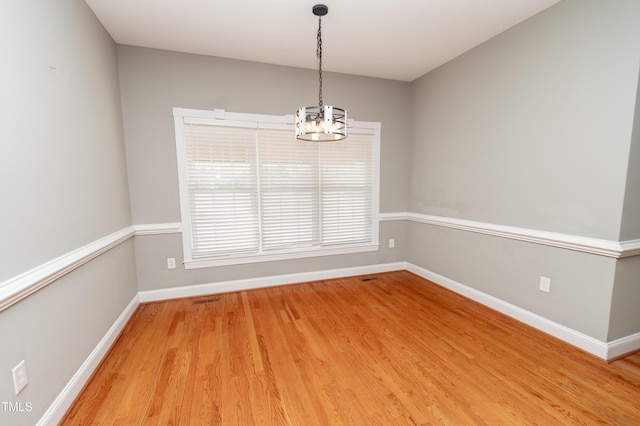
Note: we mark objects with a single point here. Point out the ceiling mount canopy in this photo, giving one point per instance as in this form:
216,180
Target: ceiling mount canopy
320,9
321,123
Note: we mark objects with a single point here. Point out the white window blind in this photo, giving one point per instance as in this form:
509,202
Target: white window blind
347,190
223,191
289,191
252,192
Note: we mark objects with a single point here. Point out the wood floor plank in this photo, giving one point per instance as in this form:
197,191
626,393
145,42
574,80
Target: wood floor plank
389,348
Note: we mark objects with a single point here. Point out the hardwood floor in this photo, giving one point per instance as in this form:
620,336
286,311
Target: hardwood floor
384,349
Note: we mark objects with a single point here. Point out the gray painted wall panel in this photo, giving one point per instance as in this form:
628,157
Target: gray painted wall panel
625,306
631,213
533,127
62,159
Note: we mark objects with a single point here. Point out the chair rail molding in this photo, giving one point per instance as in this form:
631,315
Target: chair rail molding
17,288
158,228
615,249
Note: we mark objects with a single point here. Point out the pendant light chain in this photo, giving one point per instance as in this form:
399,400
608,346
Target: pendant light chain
319,55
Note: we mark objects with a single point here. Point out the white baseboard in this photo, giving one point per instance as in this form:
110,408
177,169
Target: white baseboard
61,404
624,346
589,344
261,282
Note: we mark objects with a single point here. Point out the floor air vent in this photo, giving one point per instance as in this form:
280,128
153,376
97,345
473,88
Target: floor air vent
202,301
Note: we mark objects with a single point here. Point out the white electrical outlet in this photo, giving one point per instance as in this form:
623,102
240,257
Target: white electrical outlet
171,263
392,243
545,284
20,379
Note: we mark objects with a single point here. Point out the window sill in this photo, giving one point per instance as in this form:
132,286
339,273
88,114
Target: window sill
297,254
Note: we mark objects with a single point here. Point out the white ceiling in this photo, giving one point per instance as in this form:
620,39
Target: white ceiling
394,39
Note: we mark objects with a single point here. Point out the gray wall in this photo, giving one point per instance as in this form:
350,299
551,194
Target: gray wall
631,213
64,185
625,318
152,82
533,129
63,166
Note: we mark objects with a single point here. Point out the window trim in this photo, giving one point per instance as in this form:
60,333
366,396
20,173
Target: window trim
221,117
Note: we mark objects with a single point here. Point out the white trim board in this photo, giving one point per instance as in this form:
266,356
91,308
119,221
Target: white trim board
623,346
65,398
158,228
17,288
263,282
21,286
595,246
605,350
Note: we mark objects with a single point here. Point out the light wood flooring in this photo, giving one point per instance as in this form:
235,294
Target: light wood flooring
385,349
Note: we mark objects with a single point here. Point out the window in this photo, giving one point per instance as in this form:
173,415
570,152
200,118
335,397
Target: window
250,192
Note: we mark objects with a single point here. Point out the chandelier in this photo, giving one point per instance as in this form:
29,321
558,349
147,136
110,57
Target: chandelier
321,123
